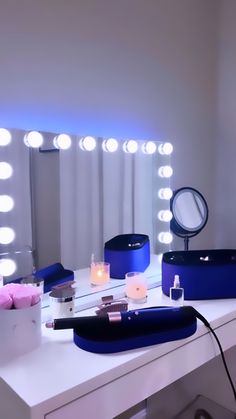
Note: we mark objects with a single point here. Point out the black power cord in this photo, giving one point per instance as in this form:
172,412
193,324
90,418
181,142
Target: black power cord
207,324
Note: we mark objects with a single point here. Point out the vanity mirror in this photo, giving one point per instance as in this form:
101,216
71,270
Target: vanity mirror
190,213
64,197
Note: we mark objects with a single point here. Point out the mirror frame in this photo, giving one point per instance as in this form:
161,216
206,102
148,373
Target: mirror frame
176,226
164,149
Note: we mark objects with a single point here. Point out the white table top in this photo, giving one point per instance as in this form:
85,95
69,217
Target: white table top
58,371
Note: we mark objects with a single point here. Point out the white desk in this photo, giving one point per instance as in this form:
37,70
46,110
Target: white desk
61,381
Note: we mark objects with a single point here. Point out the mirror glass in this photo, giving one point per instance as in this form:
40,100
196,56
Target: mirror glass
190,212
44,178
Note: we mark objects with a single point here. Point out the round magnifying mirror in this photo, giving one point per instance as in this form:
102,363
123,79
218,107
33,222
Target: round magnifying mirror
190,213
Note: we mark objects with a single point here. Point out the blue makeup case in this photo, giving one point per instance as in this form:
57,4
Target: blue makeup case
127,253
54,275
204,274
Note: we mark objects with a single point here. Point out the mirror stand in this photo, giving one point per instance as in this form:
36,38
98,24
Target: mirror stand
190,213
186,243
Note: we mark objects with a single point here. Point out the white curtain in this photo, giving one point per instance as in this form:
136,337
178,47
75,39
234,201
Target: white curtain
102,195
19,218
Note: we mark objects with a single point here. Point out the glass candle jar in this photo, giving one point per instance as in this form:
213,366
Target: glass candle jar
99,273
136,287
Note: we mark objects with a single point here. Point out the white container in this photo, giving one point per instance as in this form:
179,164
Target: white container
20,331
62,307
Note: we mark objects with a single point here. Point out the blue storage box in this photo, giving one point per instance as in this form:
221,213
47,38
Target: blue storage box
54,275
204,274
127,253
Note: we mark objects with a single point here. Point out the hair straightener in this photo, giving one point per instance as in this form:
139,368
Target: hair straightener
120,331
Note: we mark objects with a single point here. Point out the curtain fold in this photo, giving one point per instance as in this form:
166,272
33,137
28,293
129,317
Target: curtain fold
102,195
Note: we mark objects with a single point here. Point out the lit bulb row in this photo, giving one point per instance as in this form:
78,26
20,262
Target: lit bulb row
165,237
7,234
165,215
63,141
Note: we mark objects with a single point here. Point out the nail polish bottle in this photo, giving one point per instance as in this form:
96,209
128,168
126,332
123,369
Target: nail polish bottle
177,293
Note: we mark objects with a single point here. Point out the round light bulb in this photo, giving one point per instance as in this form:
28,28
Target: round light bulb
33,139
62,141
165,193
6,203
87,143
165,148
5,137
165,171
149,147
7,235
165,215
7,267
165,237
130,146
5,170
110,145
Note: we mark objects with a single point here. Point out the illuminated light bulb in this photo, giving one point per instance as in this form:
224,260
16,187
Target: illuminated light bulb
165,148
62,141
165,193
130,146
5,170
111,145
165,215
165,237
87,143
33,139
149,147
5,137
165,171
7,235
6,203
7,267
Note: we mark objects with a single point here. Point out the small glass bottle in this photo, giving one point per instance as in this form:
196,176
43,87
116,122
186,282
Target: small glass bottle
177,293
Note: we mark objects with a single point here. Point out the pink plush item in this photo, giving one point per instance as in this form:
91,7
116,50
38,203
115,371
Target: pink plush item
22,296
11,288
35,299
25,296
5,300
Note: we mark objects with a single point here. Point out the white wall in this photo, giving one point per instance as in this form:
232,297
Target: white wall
226,140
142,69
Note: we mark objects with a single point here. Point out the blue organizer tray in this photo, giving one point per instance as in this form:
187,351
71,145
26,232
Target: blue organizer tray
138,328
204,274
54,275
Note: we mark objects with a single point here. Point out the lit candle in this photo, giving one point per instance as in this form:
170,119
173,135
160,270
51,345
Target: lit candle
136,287
99,273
